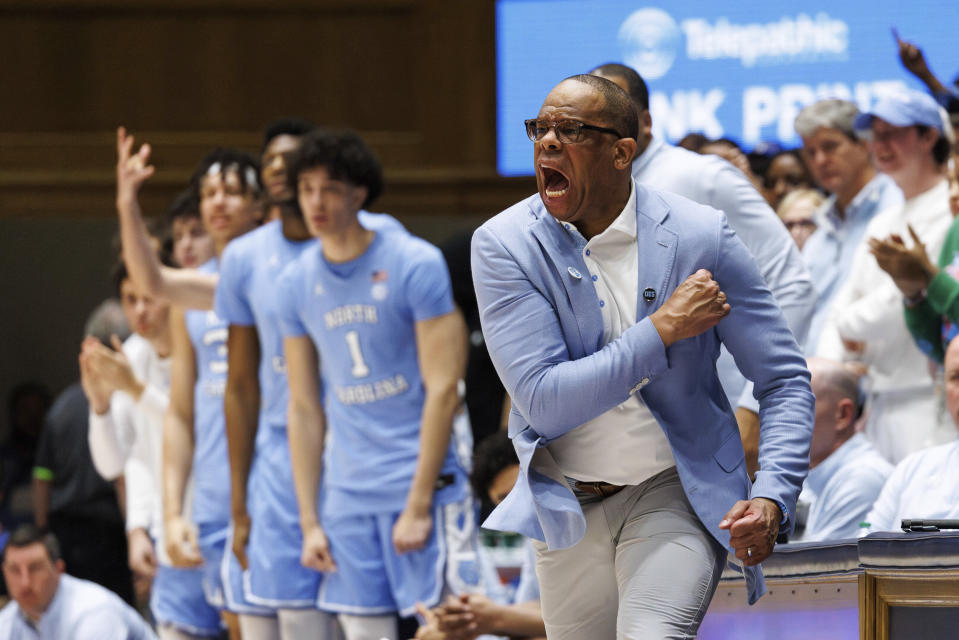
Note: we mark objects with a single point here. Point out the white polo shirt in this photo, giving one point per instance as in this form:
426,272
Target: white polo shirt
625,445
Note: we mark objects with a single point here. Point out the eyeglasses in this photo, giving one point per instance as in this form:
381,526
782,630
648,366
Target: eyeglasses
568,131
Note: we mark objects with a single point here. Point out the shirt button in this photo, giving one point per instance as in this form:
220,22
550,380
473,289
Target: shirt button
567,226
602,304
587,252
595,278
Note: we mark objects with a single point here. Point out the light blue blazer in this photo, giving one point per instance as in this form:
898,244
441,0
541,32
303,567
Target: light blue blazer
544,330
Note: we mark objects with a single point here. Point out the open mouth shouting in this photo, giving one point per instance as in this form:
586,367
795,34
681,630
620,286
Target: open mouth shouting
555,183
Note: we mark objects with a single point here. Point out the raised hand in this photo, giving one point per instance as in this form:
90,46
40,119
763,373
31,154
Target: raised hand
132,168
696,305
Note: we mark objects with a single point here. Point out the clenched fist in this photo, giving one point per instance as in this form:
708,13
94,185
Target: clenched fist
696,305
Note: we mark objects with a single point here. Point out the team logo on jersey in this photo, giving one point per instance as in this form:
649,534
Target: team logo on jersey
379,290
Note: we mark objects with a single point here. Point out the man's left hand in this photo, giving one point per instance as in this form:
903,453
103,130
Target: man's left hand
753,526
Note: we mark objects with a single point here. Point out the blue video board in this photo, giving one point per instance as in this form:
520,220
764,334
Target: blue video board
735,69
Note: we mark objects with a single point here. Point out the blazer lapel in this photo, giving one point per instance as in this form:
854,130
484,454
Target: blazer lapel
657,252
565,255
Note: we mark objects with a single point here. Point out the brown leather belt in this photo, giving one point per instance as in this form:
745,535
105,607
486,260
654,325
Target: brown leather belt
603,489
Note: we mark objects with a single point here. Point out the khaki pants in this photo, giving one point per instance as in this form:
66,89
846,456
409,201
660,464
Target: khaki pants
646,568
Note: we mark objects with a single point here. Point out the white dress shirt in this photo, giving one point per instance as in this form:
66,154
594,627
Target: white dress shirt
712,181
845,486
128,440
625,445
868,307
924,485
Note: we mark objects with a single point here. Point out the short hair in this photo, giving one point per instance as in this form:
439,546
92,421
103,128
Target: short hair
186,204
828,114
638,91
285,127
841,379
28,534
619,109
797,195
345,155
693,141
493,454
106,320
223,161
942,149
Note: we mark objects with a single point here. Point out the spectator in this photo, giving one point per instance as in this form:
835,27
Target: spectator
729,151
128,391
932,292
70,497
786,173
909,145
926,483
49,605
797,211
846,473
915,63
28,405
839,162
191,245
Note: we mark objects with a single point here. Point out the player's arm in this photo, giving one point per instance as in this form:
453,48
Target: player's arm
441,350
178,445
187,288
242,409
306,428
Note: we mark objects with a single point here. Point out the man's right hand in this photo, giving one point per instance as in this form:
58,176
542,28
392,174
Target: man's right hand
132,168
181,543
140,554
241,537
696,305
316,550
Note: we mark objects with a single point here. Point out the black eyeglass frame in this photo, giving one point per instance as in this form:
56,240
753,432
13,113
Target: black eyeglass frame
531,130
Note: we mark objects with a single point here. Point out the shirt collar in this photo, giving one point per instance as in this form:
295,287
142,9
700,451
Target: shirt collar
860,204
820,475
625,222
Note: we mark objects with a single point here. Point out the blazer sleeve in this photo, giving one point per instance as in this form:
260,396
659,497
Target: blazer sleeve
765,350
522,328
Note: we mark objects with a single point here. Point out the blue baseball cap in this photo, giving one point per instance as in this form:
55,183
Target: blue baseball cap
903,109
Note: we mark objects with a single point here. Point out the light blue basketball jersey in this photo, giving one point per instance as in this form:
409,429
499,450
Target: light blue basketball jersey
211,471
361,315
247,295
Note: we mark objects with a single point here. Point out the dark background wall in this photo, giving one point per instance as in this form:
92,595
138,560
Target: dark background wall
415,77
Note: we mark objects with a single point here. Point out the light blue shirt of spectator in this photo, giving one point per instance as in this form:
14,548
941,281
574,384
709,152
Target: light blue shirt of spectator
846,484
50,605
829,251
